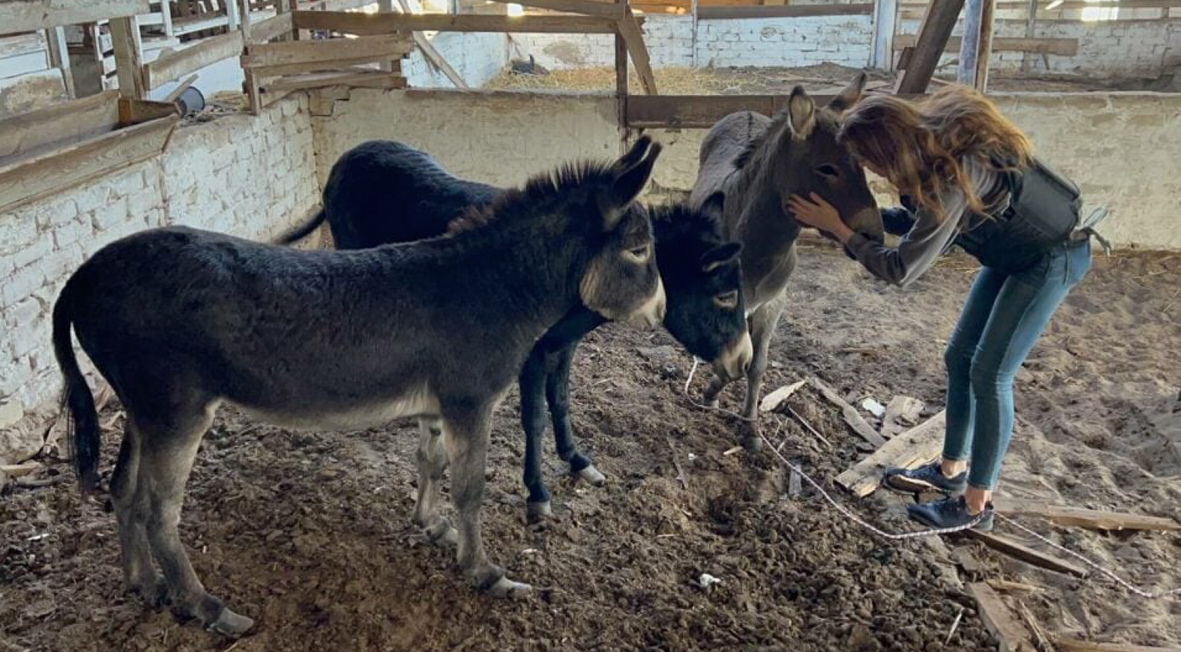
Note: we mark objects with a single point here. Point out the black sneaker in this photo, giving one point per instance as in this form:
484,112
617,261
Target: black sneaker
928,477
949,512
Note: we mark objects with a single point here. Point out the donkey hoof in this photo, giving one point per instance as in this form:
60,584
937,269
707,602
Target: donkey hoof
153,593
592,476
535,512
752,442
230,624
506,588
442,534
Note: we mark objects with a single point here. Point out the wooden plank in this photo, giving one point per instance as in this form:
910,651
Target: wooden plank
934,31
1001,623
31,131
18,16
633,38
269,59
907,450
1087,518
611,10
371,24
692,110
1061,46
192,24
1070,644
775,398
55,171
885,15
128,57
852,417
271,28
174,65
976,44
364,79
133,112
622,93
59,56
433,56
1027,554
784,11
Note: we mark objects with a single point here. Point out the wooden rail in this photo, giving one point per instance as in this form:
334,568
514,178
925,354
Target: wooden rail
374,24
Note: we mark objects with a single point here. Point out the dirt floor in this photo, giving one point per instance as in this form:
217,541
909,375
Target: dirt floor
309,533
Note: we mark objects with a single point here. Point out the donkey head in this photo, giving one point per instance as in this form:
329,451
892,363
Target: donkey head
621,279
810,160
703,278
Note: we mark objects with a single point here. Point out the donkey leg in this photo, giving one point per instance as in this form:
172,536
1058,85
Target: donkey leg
557,394
169,447
432,462
138,572
762,327
530,381
466,434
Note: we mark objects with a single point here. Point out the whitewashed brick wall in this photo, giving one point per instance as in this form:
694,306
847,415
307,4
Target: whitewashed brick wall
250,176
477,58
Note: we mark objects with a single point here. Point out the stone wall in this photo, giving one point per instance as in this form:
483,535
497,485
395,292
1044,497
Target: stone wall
249,176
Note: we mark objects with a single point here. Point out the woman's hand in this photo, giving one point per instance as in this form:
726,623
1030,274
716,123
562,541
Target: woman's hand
819,214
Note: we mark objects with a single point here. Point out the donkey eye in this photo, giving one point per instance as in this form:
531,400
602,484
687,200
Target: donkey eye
828,170
727,300
638,255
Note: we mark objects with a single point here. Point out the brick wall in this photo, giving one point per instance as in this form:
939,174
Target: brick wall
252,177
477,58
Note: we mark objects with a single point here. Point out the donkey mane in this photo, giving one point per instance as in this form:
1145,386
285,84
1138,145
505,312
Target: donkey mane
537,196
672,222
778,123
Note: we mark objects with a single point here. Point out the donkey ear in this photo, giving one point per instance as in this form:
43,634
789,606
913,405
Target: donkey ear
628,184
634,154
850,95
801,113
720,255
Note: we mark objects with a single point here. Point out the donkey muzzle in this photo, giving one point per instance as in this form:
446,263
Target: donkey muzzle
735,359
651,313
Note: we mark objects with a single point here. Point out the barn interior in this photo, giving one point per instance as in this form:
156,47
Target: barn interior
123,115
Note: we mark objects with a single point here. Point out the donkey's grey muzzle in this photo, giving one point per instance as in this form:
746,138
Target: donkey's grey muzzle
735,359
651,313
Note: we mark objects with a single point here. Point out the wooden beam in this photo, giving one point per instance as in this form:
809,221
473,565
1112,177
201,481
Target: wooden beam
128,57
361,24
700,111
133,112
17,16
1087,518
852,417
50,173
783,11
907,450
178,63
1027,554
433,56
885,14
934,31
28,132
352,79
610,10
1062,46
622,94
1000,622
1069,644
269,59
271,28
633,38
59,57
976,44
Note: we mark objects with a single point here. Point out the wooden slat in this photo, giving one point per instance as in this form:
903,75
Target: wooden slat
182,26
271,28
267,59
55,171
1070,644
371,24
18,16
364,79
1027,554
433,56
934,31
1087,518
1001,623
700,111
28,132
611,10
907,450
133,112
125,40
633,38
1062,46
851,416
784,11
174,65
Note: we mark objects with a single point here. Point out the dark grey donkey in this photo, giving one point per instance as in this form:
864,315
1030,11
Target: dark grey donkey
384,191
180,320
750,165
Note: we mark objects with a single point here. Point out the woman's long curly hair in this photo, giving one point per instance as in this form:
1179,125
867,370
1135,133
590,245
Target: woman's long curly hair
918,146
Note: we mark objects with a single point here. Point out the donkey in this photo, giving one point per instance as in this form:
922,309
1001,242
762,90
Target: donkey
180,320
383,191
750,165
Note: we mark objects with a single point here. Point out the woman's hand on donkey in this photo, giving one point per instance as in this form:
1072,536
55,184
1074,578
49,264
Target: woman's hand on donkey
819,214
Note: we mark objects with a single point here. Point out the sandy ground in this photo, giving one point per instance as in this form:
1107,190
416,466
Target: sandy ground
309,533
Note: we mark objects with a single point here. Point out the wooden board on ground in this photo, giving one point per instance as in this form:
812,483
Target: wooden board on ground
907,450
1087,518
849,413
1006,628
28,132
384,23
777,397
1027,554
1071,644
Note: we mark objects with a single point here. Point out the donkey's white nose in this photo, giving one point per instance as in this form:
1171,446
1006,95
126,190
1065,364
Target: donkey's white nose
652,312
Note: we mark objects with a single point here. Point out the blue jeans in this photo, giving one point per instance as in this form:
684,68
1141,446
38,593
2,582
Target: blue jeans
1003,318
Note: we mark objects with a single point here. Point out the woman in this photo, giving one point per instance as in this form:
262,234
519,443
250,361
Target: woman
958,161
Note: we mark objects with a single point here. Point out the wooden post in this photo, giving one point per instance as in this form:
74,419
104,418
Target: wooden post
245,13
976,47
693,56
166,16
233,18
936,28
59,57
1030,28
621,83
128,57
885,13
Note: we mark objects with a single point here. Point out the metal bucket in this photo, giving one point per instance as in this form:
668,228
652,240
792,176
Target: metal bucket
190,101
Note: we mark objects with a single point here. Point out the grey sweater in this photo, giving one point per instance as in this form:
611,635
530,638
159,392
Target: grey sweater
930,237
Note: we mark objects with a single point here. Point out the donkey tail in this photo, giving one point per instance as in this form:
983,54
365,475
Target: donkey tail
82,432
301,232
